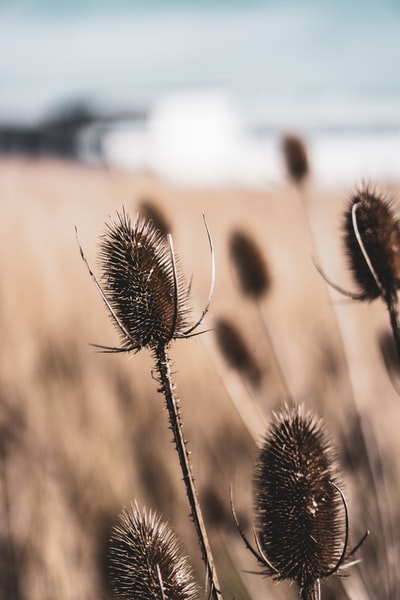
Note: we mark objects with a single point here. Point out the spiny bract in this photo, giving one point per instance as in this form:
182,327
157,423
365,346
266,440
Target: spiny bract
299,514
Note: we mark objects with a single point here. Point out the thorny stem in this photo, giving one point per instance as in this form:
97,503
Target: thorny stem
167,389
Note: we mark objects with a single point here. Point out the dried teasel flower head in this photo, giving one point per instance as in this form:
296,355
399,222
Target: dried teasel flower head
141,283
151,212
236,352
300,518
371,233
251,269
296,158
146,560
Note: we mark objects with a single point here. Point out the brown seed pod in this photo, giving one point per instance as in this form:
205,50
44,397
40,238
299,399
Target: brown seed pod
146,560
300,520
236,352
371,234
140,281
252,272
296,159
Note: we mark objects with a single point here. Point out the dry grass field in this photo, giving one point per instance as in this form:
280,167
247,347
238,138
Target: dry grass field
83,433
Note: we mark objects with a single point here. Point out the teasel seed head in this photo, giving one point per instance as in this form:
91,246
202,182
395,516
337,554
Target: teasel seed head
296,158
252,272
371,233
236,352
141,283
151,212
300,520
146,560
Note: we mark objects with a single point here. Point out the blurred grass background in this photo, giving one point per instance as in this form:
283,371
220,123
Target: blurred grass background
83,434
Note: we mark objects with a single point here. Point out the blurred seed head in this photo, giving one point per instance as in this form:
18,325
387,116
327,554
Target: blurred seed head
217,513
146,560
296,158
378,229
12,426
151,212
252,271
237,354
142,283
299,515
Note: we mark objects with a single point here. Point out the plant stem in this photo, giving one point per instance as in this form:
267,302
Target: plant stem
311,592
167,389
274,355
393,307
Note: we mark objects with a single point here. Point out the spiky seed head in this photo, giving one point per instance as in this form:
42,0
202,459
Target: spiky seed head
370,217
296,157
146,560
142,283
299,515
251,269
236,351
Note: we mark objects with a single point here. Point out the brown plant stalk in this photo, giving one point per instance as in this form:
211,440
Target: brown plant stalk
147,299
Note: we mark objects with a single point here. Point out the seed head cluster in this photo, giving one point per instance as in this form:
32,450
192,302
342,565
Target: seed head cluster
141,282
146,560
379,232
299,514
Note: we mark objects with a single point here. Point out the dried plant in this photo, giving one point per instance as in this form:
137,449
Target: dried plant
151,212
146,559
254,280
371,233
372,242
252,272
74,435
296,158
300,510
301,514
141,284
236,351
148,302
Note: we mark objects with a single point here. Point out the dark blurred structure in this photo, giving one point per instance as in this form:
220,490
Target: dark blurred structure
74,131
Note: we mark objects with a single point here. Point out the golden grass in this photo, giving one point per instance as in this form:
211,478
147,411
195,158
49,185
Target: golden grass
83,434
